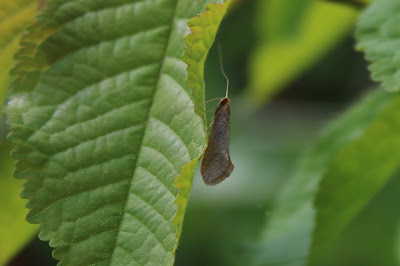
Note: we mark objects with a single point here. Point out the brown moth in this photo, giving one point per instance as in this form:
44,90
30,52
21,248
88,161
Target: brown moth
217,165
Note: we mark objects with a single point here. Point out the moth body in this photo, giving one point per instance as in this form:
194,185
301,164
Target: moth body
217,165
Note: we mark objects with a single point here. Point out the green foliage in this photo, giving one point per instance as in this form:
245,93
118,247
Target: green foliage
289,233
278,16
98,137
370,239
276,61
14,17
14,230
108,146
378,35
204,28
349,165
356,174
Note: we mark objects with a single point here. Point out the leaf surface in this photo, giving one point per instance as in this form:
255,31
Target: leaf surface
288,236
99,139
378,36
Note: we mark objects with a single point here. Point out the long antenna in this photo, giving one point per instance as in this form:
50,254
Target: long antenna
186,108
222,69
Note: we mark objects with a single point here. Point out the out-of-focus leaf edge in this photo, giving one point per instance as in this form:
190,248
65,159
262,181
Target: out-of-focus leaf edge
20,232
328,200
26,73
29,62
377,37
296,199
12,25
29,65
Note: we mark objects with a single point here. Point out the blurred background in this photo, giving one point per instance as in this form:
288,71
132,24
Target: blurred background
290,76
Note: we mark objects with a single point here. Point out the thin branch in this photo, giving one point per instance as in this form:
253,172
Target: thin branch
359,4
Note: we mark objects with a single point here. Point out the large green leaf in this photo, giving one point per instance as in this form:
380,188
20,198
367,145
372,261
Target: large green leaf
98,137
288,236
378,36
277,61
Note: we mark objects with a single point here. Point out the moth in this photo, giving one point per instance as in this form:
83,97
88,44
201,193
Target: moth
216,164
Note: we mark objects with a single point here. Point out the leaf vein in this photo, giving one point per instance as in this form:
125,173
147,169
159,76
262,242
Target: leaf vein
151,206
136,68
175,133
159,180
138,126
164,156
148,229
92,119
79,193
149,115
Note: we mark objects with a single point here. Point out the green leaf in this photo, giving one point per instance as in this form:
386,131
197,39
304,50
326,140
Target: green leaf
278,61
356,174
14,230
15,16
99,139
370,238
397,242
378,36
281,18
288,235
204,28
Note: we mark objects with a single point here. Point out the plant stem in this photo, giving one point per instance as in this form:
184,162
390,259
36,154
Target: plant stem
359,4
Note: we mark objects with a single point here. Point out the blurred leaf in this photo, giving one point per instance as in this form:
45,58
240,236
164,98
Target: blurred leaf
276,61
15,15
369,239
287,238
281,18
267,143
397,244
378,36
15,232
94,141
223,221
356,174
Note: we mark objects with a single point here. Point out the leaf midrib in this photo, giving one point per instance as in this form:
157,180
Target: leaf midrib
145,131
